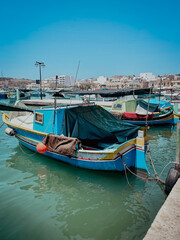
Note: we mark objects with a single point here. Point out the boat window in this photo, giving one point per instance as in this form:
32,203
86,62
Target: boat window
118,105
39,118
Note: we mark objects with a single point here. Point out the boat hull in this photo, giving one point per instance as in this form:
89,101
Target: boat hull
160,119
14,99
93,164
3,95
164,121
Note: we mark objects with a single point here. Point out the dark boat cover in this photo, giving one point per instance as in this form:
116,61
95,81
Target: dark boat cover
95,123
112,92
152,107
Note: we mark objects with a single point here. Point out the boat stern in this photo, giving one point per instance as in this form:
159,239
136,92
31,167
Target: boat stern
141,147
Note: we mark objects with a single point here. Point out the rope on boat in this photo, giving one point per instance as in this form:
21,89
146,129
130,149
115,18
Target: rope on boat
157,178
49,122
31,154
160,176
2,125
126,176
155,173
4,140
126,167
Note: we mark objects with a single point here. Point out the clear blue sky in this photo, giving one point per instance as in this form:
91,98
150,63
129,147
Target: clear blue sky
107,37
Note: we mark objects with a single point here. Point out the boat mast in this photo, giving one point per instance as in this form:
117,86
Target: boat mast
77,72
54,113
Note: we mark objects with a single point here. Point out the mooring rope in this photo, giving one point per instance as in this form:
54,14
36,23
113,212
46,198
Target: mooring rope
126,167
126,175
2,125
157,178
31,154
152,163
160,176
4,140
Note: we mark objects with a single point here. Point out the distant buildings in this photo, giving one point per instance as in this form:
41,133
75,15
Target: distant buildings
115,82
54,82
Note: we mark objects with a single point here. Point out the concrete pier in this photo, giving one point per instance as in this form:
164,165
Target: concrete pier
166,224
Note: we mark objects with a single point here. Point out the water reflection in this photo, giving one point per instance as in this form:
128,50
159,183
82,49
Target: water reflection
83,203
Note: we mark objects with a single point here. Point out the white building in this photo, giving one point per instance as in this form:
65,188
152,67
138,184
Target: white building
33,86
101,79
62,80
148,76
66,80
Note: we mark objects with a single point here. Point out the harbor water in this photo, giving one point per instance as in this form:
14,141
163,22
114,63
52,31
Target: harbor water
41,198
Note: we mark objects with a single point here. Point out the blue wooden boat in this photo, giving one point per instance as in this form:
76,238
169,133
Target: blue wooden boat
101,141
142,112
22,96
37,94
3,94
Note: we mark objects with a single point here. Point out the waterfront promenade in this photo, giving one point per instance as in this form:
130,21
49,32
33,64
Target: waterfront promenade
166,223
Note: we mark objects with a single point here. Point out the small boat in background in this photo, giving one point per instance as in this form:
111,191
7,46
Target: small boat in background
172,97
22,96
37,94
3,94
61,95
141,112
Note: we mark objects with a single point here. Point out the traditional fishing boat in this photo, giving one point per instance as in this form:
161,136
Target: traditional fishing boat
141,112
37,94
22,96
85,136
3,94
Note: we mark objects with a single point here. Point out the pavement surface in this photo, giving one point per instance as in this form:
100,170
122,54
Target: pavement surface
166,224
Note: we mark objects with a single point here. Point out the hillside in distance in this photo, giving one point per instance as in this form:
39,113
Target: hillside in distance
12,83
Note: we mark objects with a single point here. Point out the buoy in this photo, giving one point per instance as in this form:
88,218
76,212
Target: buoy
41,148
171,179
10,131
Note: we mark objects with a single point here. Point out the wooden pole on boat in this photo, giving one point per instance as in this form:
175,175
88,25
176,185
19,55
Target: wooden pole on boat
160,89
17,95
177,146
54,113
146,125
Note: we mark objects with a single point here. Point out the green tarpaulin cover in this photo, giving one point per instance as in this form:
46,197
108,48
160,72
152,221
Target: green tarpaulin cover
95,123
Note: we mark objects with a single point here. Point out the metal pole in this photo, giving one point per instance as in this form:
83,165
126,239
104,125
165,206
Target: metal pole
160,89
77,72
40,80
177,146
56,82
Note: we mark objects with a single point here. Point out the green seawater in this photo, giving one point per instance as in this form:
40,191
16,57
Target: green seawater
41,198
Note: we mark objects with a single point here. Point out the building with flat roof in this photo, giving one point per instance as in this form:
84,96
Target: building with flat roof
148,76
